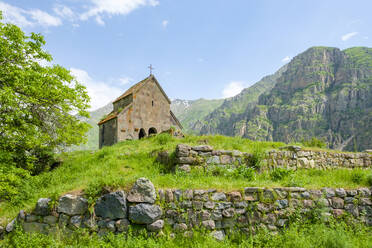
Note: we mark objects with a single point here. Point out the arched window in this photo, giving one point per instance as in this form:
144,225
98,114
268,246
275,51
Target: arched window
152,131
142,133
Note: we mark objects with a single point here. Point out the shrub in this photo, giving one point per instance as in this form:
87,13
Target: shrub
244,172
255,160
279,173
314,142
357,177
163,138
369,179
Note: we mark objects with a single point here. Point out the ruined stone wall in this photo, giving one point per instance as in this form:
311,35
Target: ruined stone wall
246,210
291,157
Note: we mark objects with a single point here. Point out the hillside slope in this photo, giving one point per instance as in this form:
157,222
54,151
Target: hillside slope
190,112
228,118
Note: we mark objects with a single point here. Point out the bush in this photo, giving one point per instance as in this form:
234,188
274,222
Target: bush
369,179
244,172
255,159
357,177
279,173
314,142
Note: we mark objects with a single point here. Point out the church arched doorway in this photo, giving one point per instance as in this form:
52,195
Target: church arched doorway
142,133
152,131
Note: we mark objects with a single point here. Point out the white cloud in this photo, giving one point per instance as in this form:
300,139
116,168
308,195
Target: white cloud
347,36
232,89
64,12
44,19
114,7
125,80
286,59
99,92
165,23
25,18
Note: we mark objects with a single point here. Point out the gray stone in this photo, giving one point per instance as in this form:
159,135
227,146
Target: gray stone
337,202
202,148
329,192
110,225
63,220
10,227
186,160
198,205
216,215
218,235
213,160
72,205
364,192
90,223
75,221
21,215
252,189
42,207
51,220
209,205
228,213
208,224
180,227
282,203
235,196
352,209
156,226
188,194
219,196
340,192
143,191
291,148
182,150
184,167
144,213
122,225
34,227
178,194
112,206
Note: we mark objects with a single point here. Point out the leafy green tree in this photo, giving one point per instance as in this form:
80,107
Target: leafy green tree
39,104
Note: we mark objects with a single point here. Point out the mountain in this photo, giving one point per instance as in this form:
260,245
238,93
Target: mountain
323,92
191,112
92,134
228,118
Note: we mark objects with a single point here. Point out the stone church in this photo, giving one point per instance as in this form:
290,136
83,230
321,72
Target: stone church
143,110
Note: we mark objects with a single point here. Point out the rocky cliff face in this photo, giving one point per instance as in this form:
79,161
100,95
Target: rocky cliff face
323,92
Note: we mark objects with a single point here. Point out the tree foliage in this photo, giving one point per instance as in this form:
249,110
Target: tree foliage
38,104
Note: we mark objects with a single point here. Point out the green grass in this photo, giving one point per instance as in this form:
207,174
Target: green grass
120,165
304,235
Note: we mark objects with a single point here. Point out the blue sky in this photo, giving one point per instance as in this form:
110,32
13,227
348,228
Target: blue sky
199,48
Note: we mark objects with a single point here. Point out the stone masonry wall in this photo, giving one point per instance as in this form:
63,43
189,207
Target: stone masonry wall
246,210
290,157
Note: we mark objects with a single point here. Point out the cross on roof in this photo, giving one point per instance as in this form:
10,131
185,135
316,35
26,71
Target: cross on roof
151,68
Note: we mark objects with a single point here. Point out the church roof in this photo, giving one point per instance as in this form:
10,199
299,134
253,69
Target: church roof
139,85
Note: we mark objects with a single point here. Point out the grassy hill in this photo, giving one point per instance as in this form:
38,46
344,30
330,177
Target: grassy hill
120,165
117,167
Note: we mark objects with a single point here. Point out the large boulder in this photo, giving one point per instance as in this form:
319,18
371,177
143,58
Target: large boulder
112,206
42,207
72,205
143,191
144,213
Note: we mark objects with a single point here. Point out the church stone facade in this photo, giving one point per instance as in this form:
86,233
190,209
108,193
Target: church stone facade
142,110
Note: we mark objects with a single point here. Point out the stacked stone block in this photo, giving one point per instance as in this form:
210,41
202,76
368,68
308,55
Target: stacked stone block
246,210
291,157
